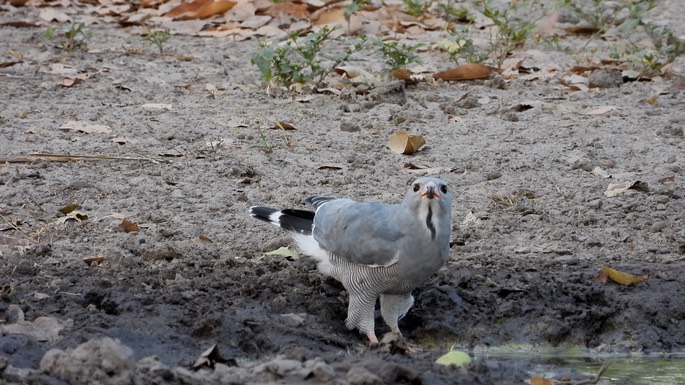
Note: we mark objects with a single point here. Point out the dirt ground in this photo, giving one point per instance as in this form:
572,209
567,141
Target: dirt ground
532,225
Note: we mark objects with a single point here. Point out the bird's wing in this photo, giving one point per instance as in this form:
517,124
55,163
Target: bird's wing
364,233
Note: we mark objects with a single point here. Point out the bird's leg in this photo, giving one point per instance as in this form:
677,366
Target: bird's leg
394,307
360,315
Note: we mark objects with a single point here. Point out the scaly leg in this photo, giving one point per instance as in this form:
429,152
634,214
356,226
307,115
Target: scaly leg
394,307
360,315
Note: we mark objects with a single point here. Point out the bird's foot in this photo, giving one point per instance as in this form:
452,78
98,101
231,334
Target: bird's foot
409,349
373,340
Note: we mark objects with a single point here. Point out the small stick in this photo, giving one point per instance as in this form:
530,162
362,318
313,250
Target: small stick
67,158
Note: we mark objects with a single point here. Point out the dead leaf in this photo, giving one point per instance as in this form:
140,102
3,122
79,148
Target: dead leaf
621,277
68,82
667,179
128,226
539,381
156,106
583,69
205,239
185,9
600,111
211,357
284,252
86,128
52,14
409,77
69,208
401,142
95,259
330,166
215,8
10,63
330,16
614,189
412,166
281,125
467,72
288,10
582,30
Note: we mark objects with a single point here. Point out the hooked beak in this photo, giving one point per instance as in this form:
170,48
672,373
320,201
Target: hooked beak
431,191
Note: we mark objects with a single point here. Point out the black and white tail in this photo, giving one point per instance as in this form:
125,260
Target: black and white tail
297,221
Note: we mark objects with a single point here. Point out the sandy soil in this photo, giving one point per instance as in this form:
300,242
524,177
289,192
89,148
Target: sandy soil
532,225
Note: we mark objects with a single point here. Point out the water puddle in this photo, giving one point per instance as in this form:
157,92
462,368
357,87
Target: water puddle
623,369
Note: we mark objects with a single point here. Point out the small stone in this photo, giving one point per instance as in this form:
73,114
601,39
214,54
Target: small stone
658,226
605,79
347,126
468,102
492,175
359,375
14,314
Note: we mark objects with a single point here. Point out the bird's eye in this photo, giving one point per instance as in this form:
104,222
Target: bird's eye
416,187
443,188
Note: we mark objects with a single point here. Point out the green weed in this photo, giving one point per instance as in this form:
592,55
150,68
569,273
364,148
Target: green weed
398,55
512,30
416,8
69,36
300,60
158,37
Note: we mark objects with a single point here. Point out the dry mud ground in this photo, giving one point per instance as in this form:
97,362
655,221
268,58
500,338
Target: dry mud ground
532,225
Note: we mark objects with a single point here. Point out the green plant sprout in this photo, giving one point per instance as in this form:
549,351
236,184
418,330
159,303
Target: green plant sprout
398,55
69,36
300,60
158,37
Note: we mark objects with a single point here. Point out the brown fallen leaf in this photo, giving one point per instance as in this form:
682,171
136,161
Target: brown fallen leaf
281,125
68,82
10,63
69,208
402,142
288,9
95,259
582,69
409,77
619,277
582,30
205,239
128,226
467,72
540,381
215,8
185,9
412,166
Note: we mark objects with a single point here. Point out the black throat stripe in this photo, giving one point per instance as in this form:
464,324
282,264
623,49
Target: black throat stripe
429,222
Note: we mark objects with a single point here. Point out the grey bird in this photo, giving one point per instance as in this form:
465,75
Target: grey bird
376,250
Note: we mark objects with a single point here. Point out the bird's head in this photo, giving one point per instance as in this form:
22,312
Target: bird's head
431,192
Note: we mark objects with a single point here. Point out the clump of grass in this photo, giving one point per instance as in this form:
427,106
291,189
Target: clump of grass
300,60
512,30
416,8
69,36
158,37
398,55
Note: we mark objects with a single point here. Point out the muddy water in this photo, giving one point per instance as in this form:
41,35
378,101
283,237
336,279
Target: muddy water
650,369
